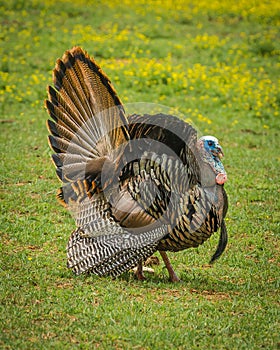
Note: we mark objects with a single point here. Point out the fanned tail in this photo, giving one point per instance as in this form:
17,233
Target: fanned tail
88,117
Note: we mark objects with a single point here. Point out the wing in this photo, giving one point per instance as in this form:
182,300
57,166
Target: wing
100,244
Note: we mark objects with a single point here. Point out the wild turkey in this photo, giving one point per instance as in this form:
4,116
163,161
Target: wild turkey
134,184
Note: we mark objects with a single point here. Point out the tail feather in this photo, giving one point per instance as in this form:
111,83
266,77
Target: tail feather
57,130
88,117
59,113
62,100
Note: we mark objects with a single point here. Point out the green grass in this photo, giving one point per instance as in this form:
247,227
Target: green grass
217,64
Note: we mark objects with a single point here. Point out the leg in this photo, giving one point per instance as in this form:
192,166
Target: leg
172,275
139,272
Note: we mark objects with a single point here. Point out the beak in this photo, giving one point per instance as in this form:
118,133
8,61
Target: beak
220,152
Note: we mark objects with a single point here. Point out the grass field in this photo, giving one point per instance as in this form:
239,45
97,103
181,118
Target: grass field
215,62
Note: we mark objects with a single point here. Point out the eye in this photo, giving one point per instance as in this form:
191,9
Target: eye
210,143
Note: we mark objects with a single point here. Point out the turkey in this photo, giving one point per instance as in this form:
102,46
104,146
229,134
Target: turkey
134,184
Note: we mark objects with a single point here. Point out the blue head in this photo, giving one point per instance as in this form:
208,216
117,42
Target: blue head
213,156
